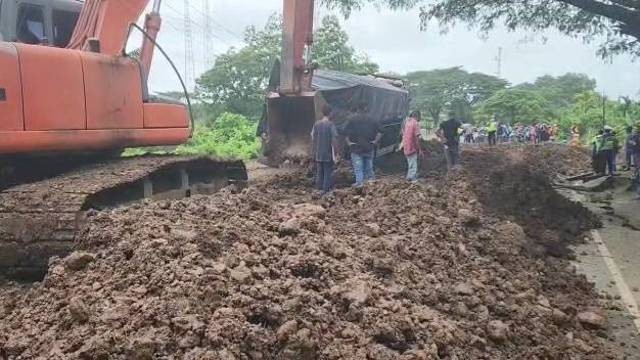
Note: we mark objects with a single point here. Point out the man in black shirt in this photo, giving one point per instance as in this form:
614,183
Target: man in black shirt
449,134
363,136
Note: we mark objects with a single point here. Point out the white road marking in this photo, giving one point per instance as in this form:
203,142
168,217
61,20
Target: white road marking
625,292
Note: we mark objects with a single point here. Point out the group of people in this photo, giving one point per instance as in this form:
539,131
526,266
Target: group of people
362,136
606,148
496,132
448,133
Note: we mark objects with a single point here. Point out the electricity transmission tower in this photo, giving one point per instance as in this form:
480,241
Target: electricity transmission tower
189,62
207,34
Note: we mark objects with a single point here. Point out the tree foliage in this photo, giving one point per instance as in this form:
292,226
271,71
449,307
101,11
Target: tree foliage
560,91
332,50
239,78
589,112
516,106
452,89
617,20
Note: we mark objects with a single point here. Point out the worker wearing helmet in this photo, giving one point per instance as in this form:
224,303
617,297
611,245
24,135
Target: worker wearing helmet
609,148
492,131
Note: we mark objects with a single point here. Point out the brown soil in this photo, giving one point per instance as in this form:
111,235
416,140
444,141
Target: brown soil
394,271
513,183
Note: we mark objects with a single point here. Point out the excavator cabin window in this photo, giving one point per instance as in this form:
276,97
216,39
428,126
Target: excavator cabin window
30,25
64,22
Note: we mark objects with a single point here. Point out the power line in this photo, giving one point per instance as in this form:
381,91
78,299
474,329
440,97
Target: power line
219,25
200,26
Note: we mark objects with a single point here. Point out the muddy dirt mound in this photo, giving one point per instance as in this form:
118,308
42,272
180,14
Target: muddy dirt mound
552,159
394,271
516,184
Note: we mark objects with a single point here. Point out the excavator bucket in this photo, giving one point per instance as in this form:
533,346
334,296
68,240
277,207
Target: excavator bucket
290,120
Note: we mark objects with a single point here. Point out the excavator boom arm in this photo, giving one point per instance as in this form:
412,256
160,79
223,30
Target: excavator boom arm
108,22
297,39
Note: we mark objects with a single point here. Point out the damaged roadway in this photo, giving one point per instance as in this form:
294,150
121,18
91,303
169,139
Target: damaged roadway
469,266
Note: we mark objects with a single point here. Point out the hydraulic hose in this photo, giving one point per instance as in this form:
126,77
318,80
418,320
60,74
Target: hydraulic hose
175,69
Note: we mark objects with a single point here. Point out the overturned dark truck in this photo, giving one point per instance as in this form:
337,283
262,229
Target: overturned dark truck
288,119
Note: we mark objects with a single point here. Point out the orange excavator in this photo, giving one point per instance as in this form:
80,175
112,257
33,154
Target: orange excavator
88,95
69,91
299,90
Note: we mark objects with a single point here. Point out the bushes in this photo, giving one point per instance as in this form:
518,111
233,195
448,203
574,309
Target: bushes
229,135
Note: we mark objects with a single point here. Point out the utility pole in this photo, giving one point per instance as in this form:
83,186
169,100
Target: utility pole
189,66
499,61
604,110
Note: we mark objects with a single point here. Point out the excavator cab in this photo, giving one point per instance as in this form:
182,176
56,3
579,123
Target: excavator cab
39,22
66,85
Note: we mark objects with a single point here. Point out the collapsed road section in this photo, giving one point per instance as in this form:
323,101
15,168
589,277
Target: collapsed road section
41,219
394,271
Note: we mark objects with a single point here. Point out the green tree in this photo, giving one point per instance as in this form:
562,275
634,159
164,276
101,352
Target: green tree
452,89
515,106
239,78
560,91
332,50
618,20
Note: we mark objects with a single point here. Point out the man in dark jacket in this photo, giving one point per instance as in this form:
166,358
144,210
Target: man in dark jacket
363,136
324,136
450,137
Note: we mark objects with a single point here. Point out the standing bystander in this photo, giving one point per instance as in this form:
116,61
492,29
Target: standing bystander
448,134
609,149
411,136
324,136
629,149
363,136
492,131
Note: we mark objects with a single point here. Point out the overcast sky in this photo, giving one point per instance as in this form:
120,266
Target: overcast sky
393,40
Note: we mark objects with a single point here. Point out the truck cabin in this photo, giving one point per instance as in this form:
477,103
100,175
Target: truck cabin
39,22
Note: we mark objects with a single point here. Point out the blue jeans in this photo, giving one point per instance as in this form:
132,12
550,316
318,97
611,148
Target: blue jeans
362,167
324,176
412,167
630,158
610,156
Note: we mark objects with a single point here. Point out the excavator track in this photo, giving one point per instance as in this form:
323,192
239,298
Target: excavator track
41,219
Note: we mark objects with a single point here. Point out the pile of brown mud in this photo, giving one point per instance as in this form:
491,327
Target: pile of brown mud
515,183
394,271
